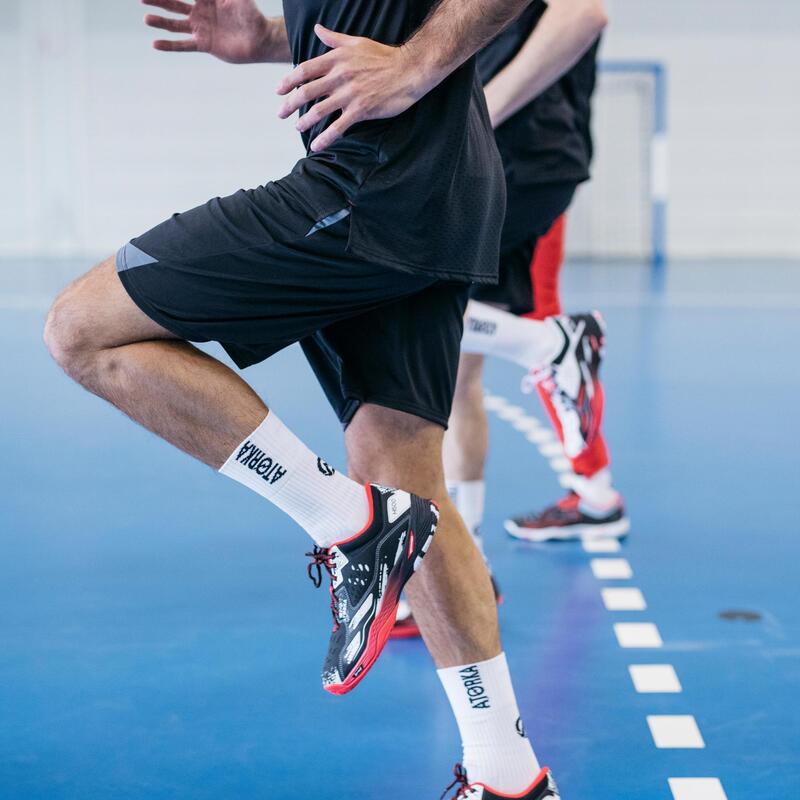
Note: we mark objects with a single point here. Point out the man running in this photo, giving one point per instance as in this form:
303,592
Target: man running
364,253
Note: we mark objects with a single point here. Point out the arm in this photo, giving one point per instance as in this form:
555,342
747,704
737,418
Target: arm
234,31
566,31
367,80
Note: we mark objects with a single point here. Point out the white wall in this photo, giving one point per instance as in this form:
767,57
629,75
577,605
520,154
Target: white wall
100,136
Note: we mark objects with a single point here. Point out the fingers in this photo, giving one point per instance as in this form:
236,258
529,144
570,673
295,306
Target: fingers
181,46
307,93
307,71
316,114
335,131
175,6
167,24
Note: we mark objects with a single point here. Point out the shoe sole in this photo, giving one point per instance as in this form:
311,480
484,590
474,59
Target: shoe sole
604,530
381,628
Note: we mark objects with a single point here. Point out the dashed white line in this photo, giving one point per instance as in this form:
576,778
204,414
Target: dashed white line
624,599
552,449
655,679
697,789
611,569
675,732
561,464
601,545
638,634
539,435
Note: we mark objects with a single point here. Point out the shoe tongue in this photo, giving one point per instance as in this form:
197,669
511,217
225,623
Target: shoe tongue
571,500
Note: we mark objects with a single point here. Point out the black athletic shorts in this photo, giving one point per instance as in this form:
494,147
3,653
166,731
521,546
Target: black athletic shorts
530,212
257,272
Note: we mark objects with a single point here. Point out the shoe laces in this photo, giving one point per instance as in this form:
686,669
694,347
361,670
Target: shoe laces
322,557
461,781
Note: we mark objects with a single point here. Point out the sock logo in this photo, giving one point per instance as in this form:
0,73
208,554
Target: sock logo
521,728
484,326
256,460
473,685
325,468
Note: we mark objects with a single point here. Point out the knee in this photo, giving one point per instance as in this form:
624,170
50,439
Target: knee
469,383
66,331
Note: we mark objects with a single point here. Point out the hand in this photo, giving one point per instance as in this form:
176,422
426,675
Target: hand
359,77
232,30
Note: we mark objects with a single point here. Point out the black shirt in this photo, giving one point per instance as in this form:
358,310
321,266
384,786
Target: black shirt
426,188
548,140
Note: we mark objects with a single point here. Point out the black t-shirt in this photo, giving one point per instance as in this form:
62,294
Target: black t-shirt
550,139
426,188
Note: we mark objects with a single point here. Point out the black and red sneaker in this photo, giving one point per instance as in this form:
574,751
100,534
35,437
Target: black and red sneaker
570,386
569,518
405,627
368,572
542,788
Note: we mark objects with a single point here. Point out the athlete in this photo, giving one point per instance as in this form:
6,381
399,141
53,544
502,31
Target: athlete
364,253
539,75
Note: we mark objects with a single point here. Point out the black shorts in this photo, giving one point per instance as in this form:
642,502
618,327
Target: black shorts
530,213
257,272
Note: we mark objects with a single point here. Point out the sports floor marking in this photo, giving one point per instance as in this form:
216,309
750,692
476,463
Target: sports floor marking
601,545
668,731
552,449
697,789
675,732
638,634
623,599
617,569
655,679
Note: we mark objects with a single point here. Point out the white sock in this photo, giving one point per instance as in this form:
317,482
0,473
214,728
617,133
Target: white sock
273,462
469,499
496,750
531,343
596,492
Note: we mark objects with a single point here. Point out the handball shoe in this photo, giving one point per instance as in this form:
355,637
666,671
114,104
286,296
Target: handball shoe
543,788
367,573
570,519
570,386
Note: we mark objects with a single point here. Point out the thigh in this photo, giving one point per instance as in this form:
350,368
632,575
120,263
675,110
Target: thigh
100,314
402,356
254,271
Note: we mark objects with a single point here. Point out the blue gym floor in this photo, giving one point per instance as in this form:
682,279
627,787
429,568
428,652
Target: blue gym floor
159,638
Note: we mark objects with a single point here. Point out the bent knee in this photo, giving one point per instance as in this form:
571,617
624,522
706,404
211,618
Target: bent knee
67,329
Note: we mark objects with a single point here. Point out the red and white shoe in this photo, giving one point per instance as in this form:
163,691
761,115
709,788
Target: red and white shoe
570,386
542,788
570,519
368,572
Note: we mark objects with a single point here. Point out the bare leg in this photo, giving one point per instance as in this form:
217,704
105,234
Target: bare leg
106,343
451,595
466,443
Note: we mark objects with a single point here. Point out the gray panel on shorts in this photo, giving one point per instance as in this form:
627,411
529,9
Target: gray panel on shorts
131,256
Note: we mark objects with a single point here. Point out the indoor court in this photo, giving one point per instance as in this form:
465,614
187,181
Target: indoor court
159,636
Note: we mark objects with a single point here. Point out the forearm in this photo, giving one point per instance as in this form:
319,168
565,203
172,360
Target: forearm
453,32
274,42
566,31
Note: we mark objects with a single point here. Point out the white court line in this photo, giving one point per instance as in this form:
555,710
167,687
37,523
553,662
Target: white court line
551,449
566,480
637,634
611,569
606,545
655,679
539,435
525,424
624,599
697,789
678,732
493,402
509,413
561,464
